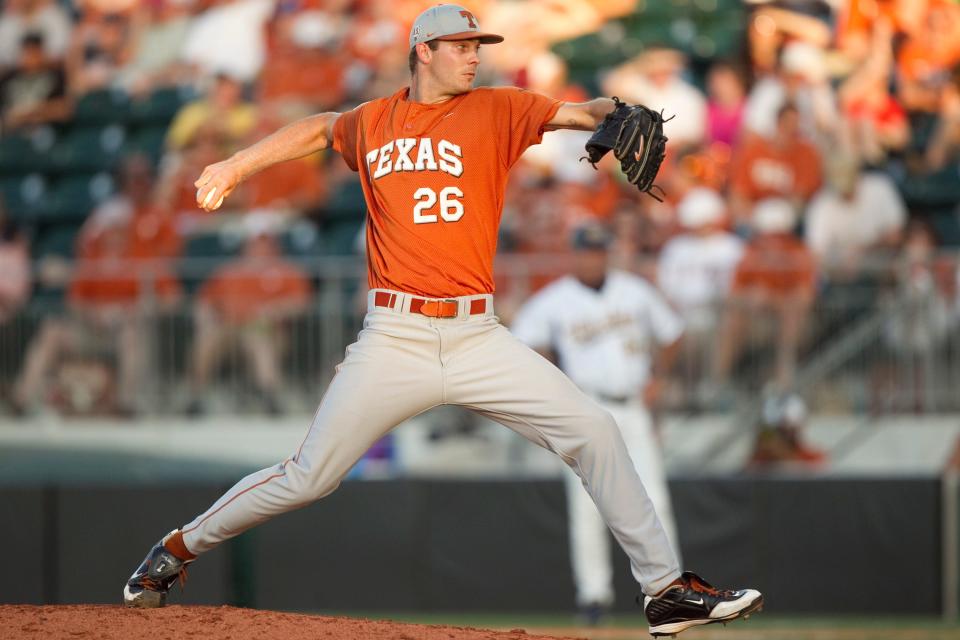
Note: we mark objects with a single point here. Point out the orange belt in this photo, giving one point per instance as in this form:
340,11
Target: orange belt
432,308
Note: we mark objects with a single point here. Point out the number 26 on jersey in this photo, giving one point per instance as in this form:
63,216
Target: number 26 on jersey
450,209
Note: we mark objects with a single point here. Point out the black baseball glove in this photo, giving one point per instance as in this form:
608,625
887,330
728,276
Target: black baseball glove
635,133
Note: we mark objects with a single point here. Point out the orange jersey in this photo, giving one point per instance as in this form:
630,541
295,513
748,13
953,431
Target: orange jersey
434,178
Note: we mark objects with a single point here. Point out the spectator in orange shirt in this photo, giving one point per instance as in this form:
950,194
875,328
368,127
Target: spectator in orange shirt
926,56
150,228
783,166
116,287
305,65
876,122
247,301
293,187
856,21
775,276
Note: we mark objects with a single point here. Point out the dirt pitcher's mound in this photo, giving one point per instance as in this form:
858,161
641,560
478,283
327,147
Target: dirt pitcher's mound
106,622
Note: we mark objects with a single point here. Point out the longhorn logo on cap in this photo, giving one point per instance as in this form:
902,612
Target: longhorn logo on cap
470,19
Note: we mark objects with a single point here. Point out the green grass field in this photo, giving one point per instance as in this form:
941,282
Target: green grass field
758,627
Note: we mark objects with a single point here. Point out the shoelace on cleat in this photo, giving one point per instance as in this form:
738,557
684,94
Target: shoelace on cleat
153,585
182,576
700,586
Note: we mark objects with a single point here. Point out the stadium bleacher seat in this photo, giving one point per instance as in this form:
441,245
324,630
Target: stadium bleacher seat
105,106
340,239
346,202
946,225
57,239
28,151
302,240
72,197
89,148
202,255
23,196
148,140
702,28
941,189
160,106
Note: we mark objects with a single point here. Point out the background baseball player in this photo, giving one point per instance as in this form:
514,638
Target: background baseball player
433,160
614,335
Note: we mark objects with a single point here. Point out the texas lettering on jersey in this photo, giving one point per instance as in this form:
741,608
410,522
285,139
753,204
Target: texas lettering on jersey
412,154
434,177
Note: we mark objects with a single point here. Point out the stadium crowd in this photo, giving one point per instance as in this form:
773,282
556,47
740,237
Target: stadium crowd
811,172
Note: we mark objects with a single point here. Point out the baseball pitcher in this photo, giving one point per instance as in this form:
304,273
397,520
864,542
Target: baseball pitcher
433,159
614,335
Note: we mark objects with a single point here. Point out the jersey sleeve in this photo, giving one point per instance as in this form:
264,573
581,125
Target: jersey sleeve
532,324
521,117
346,134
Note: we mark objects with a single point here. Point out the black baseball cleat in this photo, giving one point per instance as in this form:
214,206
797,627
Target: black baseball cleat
148,586
696,602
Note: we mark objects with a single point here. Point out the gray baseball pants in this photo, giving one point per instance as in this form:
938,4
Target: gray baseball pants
403,364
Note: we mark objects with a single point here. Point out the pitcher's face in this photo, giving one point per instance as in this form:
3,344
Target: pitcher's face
454,64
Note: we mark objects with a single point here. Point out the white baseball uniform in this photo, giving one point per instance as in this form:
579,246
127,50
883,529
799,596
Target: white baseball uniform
603,340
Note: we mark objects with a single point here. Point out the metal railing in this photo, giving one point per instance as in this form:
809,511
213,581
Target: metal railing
881,344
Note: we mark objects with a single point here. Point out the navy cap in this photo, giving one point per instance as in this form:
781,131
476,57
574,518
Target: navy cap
591,236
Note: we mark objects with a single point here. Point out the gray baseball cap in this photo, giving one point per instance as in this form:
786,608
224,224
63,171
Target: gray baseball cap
449,22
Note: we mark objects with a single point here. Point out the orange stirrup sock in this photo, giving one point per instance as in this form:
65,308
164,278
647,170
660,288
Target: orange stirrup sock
174,544
676,583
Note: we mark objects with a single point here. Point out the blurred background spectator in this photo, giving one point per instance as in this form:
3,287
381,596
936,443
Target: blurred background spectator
15,267
248,302
151,232
294,187
922,298
45,18
695,271
223,109
99,47
780,434
158,31
773,290
858,216
783,165
876,124
228,38
103,341
946,136
726,97
801,77
34,91
655,78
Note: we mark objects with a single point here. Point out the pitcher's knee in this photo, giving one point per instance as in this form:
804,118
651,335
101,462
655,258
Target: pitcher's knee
309,483
604,427
598,433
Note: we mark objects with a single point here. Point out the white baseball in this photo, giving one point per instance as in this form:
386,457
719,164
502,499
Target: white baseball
206,201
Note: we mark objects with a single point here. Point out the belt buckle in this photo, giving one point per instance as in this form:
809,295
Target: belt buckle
448,308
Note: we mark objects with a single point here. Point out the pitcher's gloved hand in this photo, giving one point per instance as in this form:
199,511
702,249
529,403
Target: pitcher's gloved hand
635,133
